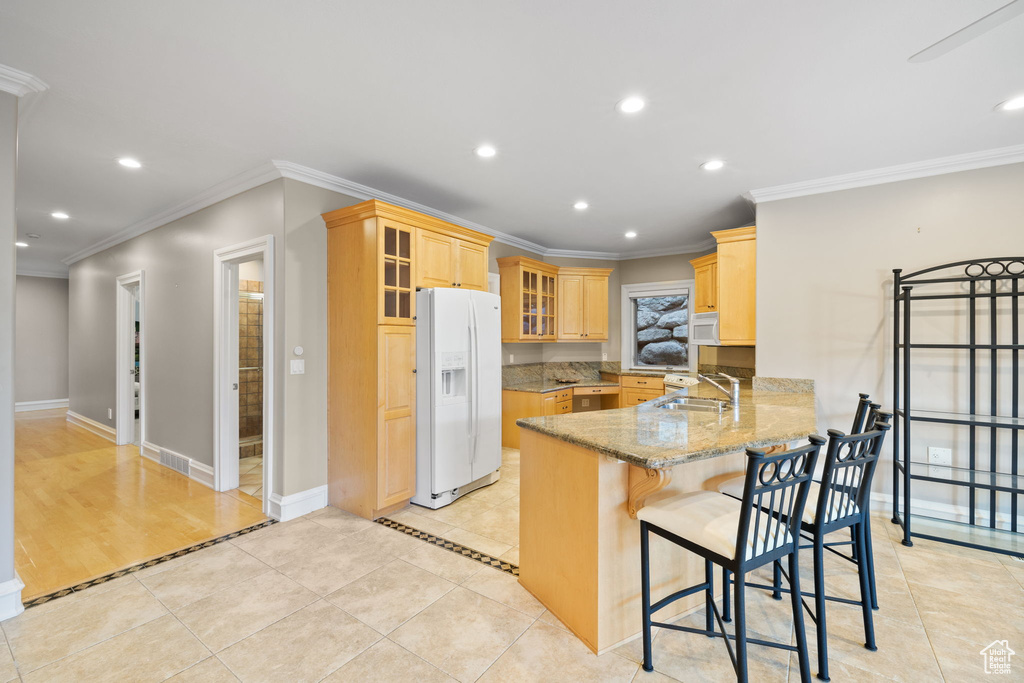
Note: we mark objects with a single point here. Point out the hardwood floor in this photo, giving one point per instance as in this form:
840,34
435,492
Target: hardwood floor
85,507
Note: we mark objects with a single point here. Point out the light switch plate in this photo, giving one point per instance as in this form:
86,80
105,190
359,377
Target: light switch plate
298,366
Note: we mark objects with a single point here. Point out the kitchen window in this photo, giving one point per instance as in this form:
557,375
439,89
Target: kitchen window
656,324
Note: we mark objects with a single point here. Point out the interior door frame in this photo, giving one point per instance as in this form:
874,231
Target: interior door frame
124,423
225,362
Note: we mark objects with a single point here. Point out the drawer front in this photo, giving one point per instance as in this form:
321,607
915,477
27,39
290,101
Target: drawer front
632,397
563,407
655,383
588,391
563,395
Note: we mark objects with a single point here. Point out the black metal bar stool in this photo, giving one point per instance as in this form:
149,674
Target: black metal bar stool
739,535
839,501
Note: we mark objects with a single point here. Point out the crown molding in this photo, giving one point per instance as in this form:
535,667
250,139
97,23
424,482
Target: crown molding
891,174
286,169
28,272
19,83
229,188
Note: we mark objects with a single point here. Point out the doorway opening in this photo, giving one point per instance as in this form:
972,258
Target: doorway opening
244,369
130,423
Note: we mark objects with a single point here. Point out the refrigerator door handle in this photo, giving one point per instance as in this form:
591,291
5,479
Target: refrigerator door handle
474,403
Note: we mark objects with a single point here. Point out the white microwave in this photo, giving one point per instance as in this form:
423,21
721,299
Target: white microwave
704,329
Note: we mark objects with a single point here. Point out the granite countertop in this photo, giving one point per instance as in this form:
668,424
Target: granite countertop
544,386
656,438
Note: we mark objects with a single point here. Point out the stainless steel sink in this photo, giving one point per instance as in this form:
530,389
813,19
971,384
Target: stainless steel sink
703,405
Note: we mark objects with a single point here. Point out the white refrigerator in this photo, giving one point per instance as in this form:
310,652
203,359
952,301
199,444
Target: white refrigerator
458,393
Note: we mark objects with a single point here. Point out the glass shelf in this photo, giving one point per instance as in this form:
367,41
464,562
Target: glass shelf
965,418
983,537
959,476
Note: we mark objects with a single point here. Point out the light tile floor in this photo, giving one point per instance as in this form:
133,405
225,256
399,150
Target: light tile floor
334,597
250,476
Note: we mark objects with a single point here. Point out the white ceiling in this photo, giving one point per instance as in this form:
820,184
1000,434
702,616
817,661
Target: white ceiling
395,95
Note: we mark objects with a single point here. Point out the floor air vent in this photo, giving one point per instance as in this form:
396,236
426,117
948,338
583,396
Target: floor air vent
178,463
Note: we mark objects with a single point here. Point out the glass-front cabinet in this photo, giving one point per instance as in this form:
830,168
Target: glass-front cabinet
398,300
534,285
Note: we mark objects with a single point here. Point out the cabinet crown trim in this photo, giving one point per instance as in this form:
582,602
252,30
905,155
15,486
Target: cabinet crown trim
526,262
374,208
736,234
573,270
705,260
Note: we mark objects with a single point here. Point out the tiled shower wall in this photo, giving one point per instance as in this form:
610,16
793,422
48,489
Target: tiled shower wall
250,355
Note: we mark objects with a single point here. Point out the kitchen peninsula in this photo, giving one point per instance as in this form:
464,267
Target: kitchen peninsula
584,476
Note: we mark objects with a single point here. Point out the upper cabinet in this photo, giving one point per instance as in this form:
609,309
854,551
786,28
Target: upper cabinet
726,283
705,276
395,289
528,299
446,261
583,301
542,302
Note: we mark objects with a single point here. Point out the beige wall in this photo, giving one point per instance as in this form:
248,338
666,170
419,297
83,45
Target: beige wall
824,277
41,333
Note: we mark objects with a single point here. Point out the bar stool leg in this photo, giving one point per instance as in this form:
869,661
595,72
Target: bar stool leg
741,629
870,552
645,593
798,618
865,591
777,579
709,597
819,606
726,598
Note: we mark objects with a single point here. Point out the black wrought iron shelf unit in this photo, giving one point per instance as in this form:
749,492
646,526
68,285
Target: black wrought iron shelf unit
984,296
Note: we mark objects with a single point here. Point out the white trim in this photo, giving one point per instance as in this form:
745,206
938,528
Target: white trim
891,174
10,598
225,362
198,471
954,513
19,83
229,188
264,173
124,424
52,404
91,425
627,322
284,508
25,272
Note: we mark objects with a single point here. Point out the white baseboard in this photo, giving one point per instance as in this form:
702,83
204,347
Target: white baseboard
284,508
93,426
954,513
52,404
196,470
10,598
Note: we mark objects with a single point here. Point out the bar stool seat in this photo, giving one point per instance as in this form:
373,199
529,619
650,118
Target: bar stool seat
709,519
840,504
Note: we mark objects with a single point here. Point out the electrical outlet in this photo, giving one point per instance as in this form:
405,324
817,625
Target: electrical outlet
940,456
585,402
604,356
511,358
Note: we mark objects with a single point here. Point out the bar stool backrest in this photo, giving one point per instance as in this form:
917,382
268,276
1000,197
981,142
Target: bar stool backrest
849,467
863,416
774,494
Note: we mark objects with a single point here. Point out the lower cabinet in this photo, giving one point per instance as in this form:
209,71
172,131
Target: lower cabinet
516,405
396,430
637,390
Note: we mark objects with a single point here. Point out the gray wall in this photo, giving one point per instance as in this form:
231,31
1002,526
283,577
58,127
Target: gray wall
178,261
824,280
8,234
41,346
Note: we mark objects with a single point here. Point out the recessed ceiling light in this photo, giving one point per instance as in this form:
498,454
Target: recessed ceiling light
486,151
32,236
60,215
1012,104
631,105
21,244
712,165
129,163
631,234
580,205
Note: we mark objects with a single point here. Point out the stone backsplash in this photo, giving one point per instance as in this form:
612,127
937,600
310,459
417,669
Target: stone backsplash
539,372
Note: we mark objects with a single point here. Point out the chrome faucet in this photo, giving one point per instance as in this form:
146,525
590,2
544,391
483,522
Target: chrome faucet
734,394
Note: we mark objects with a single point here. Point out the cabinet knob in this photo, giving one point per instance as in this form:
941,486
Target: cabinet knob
414,371
453,284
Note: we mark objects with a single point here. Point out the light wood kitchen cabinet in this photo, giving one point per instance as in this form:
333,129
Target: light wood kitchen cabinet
446,261
541,302
528,299
705,278
516,405
737,286
373,268
637,390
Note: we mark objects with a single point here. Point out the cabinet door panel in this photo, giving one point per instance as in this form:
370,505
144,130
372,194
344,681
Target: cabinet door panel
595,311
705,299
471,266
435,255
396,407
548,405
737,292
396,261
570,307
